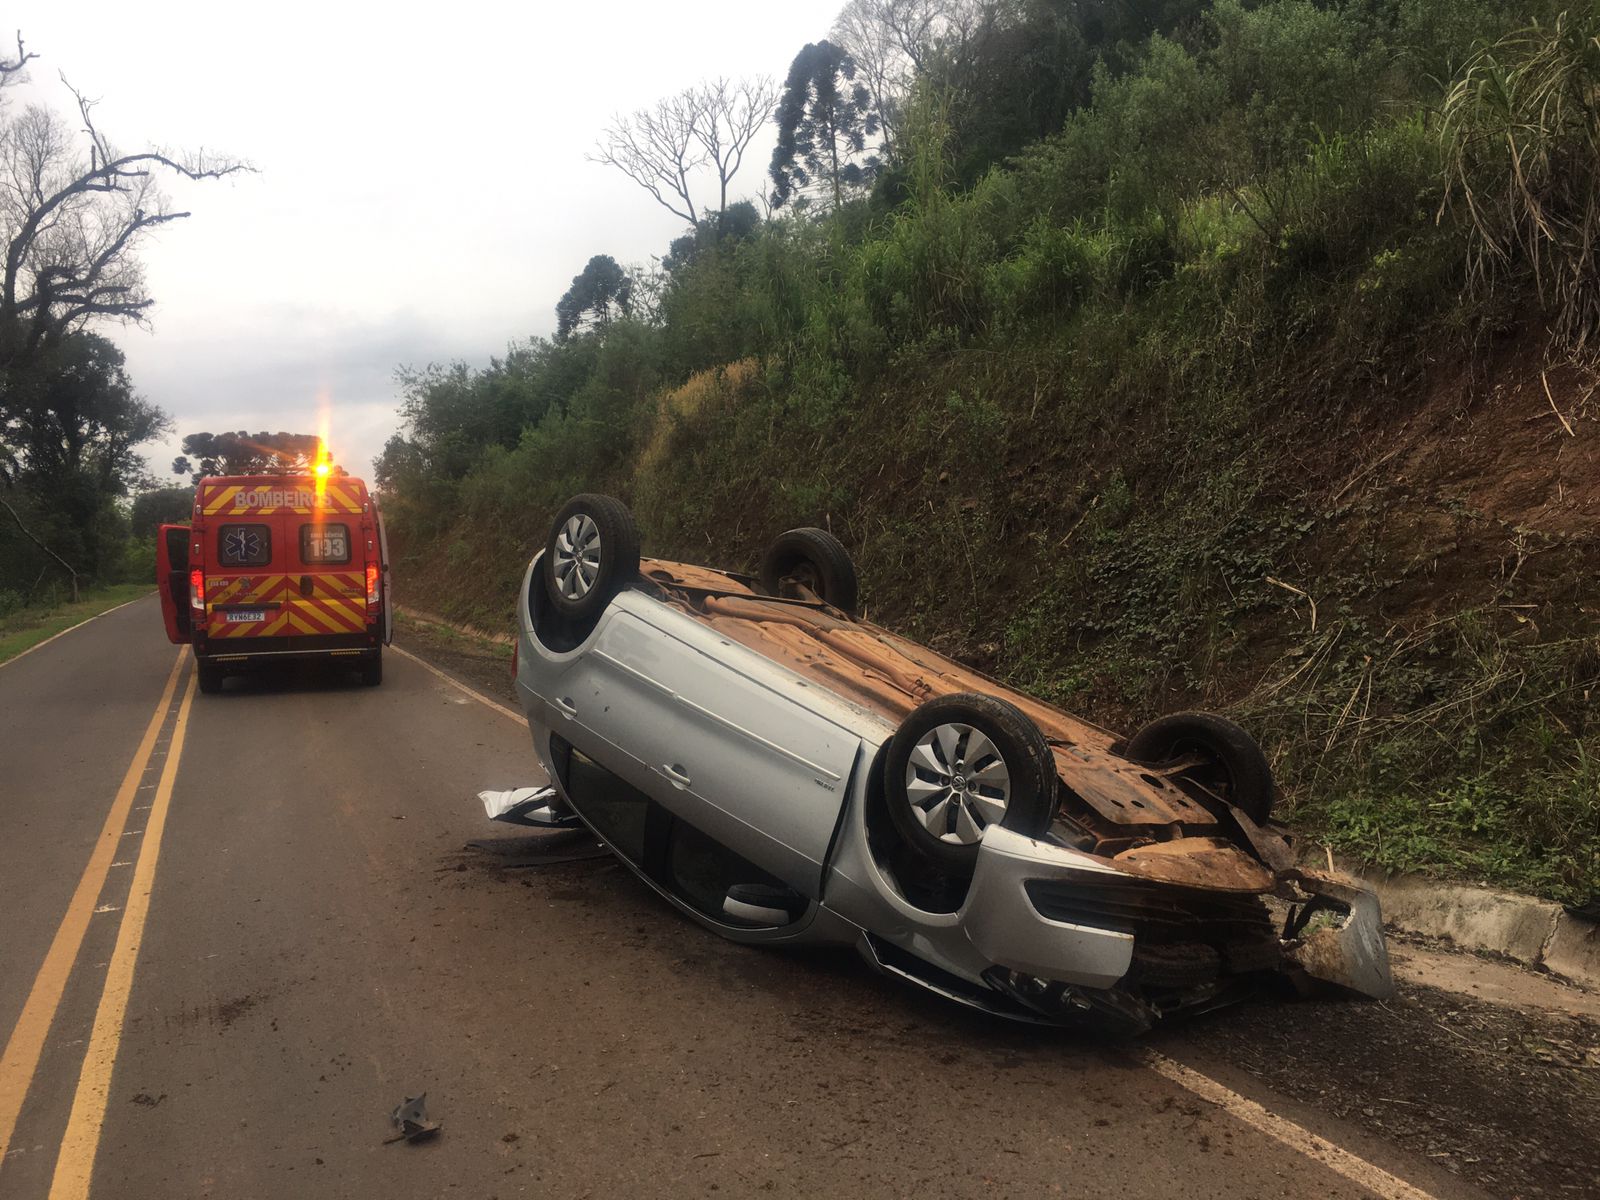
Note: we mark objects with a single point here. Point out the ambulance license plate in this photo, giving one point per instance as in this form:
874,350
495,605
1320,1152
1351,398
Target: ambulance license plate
239,615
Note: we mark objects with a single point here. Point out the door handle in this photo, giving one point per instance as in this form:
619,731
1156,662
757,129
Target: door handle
305,585
676,774
567,707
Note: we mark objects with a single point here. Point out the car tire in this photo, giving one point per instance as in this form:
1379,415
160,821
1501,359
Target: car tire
1242,774
929,781
591,555
372,669
815,558
210,677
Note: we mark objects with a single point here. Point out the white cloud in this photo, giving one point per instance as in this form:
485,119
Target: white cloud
423,192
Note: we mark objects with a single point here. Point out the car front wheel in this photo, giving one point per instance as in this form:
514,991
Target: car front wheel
959,764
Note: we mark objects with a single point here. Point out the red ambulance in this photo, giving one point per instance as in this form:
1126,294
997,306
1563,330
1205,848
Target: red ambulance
276,567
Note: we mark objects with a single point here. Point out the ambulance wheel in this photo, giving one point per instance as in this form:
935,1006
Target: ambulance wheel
372,669
591,555
210,677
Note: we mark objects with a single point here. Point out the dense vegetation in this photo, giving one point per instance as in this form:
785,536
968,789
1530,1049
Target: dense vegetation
1105,379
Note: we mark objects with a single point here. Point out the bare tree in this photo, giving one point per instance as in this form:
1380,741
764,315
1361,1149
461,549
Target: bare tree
728,115
657,149
666,148
893,41
74,210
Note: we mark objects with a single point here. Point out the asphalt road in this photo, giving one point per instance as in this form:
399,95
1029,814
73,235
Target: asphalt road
292,936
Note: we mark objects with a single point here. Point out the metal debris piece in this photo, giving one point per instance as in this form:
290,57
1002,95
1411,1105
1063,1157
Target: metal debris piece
411,1119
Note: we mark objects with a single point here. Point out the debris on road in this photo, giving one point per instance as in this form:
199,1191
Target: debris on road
537,807
411,1119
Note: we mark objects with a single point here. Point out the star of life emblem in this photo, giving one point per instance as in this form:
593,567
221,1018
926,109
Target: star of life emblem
242,545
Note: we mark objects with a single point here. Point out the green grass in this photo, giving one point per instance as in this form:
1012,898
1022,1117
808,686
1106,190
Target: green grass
450,637
27,627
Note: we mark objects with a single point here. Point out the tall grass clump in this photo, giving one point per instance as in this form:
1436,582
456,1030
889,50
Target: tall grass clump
1521,129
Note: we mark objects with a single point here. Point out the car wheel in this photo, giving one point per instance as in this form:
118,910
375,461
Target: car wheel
813,559
592,553
960,764
1237,770
372,669
210,677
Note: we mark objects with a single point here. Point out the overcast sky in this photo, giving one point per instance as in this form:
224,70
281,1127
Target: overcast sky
423,193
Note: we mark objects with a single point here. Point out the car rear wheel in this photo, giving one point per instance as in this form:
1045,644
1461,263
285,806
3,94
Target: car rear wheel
591,554
812,559
959,764
372,669
210,677
1234,766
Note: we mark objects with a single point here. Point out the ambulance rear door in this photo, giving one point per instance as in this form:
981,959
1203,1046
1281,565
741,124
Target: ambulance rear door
327,592
172,581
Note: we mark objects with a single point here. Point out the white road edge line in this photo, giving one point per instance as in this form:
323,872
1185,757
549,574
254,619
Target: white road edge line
1357,1170
456,683
70,628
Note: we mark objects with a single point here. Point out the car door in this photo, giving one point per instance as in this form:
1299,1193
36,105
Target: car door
172,580
732,754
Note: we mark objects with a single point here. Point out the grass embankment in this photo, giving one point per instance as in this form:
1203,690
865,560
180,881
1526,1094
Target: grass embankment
1194,403
25,628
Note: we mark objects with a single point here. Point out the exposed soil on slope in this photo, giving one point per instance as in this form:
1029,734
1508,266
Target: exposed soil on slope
1488,492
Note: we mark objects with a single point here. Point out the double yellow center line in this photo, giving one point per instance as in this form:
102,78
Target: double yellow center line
20,1061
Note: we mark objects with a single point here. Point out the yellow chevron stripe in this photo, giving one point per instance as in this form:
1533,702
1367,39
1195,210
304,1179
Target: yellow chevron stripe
227,494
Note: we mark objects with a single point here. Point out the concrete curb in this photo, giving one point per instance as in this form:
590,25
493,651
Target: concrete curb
1535,932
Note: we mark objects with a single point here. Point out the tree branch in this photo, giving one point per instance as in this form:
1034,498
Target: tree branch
27,533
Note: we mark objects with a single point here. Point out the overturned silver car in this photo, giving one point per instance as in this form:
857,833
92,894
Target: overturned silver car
784,772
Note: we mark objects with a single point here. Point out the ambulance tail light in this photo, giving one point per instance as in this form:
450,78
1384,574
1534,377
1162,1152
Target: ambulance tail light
197,590
374,596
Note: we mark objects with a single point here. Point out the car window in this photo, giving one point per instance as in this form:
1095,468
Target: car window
324,543
703,870
616,810
244,545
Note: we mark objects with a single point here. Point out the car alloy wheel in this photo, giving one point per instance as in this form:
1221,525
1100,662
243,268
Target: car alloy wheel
960,765
958,783
577,555
591,554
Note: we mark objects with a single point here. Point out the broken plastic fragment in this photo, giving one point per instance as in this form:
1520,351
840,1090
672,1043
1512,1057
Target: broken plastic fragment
411,1118
538,807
